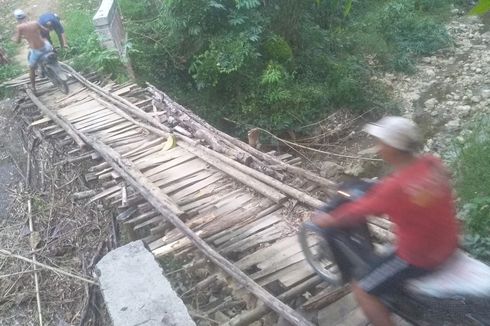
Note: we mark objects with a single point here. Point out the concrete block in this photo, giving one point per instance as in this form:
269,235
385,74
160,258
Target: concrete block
105,14
135,290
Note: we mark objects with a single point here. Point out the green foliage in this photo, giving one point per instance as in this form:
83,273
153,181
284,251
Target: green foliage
398,31
481,8
85,52
11,69
278,49
278,64
472,178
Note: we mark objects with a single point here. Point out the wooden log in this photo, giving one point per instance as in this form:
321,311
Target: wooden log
250,316
67,127
160,202
245,178
243,146
218,161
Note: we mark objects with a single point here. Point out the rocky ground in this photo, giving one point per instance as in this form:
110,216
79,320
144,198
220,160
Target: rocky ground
451,88
446,94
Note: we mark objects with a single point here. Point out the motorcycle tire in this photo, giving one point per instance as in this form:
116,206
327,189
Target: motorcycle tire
62,85
318,255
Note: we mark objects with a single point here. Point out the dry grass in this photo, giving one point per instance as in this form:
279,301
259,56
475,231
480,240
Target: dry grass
68,235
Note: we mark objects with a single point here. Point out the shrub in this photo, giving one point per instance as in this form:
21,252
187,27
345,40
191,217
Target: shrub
472,167
281,64
85,52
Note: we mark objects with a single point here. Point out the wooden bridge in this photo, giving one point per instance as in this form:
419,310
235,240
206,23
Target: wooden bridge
186,188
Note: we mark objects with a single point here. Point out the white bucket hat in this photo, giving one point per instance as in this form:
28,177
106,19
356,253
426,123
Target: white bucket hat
397,132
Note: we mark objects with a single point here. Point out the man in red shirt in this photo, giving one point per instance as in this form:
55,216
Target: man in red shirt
417,197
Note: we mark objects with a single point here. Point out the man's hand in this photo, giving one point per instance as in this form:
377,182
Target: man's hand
322,219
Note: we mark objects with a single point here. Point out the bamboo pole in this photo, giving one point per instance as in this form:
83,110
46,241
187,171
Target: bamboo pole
31,230
7,253
61,121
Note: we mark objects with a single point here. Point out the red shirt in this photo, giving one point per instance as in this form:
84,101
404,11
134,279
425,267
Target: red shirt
418,200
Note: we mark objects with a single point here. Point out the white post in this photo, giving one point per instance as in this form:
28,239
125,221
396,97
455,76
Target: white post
109,27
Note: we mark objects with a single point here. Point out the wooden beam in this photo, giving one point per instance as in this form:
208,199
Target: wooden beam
61,121
220,161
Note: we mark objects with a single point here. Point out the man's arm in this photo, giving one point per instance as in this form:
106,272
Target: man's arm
60,31
377,201
17,37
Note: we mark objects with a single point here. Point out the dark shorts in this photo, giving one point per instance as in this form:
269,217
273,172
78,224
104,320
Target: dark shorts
388,275
353,252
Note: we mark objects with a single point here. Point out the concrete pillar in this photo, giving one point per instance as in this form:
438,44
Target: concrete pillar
109,27
135,290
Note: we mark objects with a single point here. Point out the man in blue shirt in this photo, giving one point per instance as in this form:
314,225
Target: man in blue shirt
51,22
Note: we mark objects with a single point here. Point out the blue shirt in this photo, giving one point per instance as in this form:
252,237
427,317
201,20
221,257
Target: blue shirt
48,17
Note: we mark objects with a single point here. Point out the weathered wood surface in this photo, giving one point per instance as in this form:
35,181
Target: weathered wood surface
224,193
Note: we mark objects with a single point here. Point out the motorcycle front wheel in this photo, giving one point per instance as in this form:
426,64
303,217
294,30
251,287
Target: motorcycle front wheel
318,254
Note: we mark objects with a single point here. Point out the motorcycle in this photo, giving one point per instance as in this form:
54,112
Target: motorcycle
50,68
458,293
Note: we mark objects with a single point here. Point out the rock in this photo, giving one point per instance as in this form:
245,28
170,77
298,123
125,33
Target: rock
485,93
453,125
430,103
430,72
354,169
329,169
475,99
463,110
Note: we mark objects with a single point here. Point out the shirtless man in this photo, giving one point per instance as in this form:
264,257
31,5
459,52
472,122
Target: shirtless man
31,32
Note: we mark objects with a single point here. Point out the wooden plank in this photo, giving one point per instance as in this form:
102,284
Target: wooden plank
236,170
197,187
270,234
334,313
278,248
194,178
127,141
156,219
58,119
102,126
290,275
80,109
271,208
166,177
325,297
102,114
105,193
116,129
108,121
169,164
249,229
290,260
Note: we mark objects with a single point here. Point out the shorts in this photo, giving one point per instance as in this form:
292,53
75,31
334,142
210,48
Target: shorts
388,275
376,274
36,54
